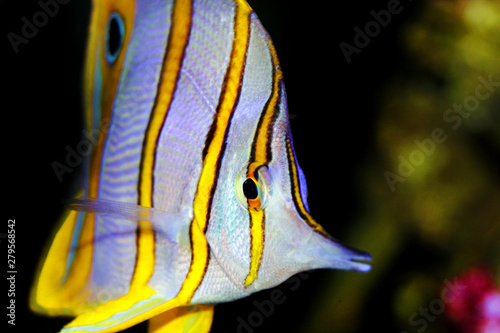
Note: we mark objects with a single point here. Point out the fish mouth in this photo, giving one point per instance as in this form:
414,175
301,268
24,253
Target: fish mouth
350,258
334,254
359,261
320,251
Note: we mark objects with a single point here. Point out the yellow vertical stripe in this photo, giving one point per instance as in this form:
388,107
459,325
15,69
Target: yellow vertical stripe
177,42
214,151
257,236
261,151
296,195
172,62
261,155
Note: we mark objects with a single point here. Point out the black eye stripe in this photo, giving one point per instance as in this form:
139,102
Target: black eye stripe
250,189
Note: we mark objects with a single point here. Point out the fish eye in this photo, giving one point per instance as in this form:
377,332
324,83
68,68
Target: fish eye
250,189
253,186
114,37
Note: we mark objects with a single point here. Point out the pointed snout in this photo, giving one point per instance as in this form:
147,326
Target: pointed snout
319,251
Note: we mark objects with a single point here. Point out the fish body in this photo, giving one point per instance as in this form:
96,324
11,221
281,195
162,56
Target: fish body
193,195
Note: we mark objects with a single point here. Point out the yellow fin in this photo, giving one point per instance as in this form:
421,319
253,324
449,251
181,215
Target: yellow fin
123,312
58,289
186,319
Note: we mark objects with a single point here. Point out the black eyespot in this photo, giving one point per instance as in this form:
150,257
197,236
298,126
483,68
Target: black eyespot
114,37
250,189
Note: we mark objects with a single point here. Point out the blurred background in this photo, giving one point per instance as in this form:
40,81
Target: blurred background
395,114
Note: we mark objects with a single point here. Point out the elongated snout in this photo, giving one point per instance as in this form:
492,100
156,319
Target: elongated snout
319,251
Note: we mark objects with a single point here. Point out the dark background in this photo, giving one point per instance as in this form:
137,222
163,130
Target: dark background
333,117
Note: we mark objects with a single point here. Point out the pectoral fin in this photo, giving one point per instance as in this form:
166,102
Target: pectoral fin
186,319
64,285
